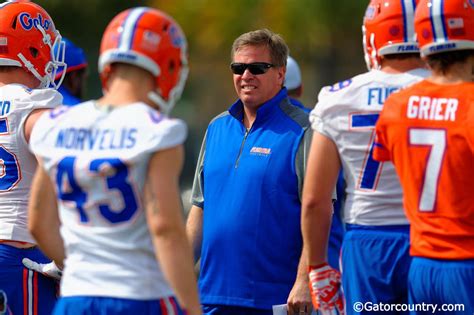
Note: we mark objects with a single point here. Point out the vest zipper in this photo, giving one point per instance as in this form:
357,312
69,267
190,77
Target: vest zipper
242,147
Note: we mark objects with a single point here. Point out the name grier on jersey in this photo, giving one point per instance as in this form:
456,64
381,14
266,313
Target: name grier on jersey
96,139
424,107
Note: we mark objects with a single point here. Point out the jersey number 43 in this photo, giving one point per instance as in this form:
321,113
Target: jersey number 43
116,181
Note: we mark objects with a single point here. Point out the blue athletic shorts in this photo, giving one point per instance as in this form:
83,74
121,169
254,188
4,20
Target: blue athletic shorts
213,309
375,264
442,282
88,305
27,292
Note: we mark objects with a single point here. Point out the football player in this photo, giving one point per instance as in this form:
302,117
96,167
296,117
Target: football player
109,171
374,255
427,131
27,67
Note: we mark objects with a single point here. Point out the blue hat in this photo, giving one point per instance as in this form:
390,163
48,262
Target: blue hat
75,57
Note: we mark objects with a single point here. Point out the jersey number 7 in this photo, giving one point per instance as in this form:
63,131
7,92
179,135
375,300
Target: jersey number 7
436,140
371,168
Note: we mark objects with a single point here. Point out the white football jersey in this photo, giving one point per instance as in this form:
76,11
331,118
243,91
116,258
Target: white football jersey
346,113
17,164
97,158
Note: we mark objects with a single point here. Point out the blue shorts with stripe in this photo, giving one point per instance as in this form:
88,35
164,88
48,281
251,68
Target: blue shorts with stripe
375,265
213,309
27,292
442,282
88,305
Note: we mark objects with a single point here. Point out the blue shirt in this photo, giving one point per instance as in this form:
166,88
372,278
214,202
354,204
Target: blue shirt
68,98
249,184
297,103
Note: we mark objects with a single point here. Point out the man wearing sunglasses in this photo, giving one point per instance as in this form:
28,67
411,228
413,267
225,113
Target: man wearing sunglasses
245,220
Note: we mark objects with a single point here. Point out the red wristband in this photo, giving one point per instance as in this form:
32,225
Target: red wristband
310,268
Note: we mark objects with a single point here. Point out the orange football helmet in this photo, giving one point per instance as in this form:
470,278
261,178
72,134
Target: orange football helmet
152,40
388,29
27,38
444,25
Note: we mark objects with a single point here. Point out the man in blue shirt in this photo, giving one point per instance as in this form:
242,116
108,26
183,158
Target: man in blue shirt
245,220
72,87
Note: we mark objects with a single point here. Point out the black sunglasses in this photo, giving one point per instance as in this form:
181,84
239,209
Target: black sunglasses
255,68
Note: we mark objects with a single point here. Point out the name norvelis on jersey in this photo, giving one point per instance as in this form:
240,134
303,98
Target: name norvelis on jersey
96,139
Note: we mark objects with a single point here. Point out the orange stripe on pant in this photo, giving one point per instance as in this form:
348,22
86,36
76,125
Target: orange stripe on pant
25,291
164,311
30,292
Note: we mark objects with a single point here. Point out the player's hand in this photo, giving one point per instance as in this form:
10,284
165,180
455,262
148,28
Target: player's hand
49,269
325,286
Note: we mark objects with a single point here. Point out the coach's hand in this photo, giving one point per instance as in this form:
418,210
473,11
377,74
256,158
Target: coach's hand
325,286
299,300
49,269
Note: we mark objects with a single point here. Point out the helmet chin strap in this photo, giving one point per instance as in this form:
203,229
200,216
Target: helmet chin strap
374,58
175,94
31,68
165,107
52,66
364,45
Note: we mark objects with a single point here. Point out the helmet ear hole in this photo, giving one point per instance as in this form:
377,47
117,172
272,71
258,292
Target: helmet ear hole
14,22
34,52
171,66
